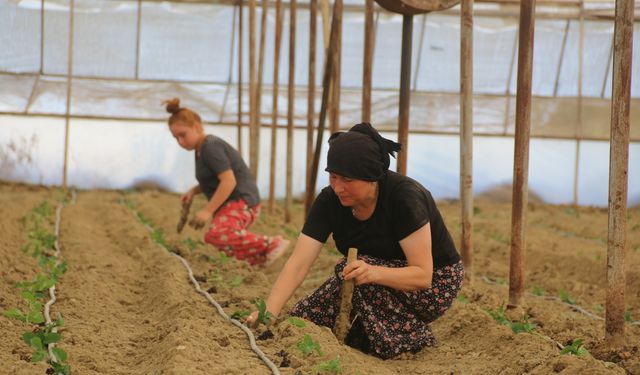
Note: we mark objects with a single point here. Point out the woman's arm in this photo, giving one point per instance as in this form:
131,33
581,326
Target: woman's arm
292,275
417,275
222,193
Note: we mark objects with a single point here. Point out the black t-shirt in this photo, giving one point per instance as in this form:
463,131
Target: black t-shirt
403,206
217,156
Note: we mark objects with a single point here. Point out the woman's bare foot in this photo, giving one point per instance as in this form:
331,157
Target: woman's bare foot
277,252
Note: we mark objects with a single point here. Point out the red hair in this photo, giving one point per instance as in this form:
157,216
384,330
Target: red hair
182,114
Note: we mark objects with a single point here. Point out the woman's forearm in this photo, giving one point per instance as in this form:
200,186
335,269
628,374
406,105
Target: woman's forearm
408,278
222,193
288,281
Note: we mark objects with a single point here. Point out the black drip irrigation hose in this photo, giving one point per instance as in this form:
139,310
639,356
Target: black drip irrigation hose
247,331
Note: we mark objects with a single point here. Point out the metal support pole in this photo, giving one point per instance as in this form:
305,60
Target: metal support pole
69,84
253,117
311,94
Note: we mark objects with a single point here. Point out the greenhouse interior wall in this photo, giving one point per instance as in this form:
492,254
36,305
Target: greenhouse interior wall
129,56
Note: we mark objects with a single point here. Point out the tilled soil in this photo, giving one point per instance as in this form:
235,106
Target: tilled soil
129,307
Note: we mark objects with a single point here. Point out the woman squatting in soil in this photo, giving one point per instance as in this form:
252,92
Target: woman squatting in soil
231,191
408,271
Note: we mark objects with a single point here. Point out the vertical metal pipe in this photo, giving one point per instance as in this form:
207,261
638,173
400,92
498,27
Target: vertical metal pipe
367,63
576,172
405,92
507,90
561,59
326,88
240,43
423,26
69,84
42,37
274,113
618,170
232,45
334,120
466,134
311,98
605,80
521,153
290,110
138,24
253,118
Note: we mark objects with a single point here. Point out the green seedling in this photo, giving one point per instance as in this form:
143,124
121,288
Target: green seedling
240,314
627,317
332,366
576,348
570,211
476,210
144,220
40,242
538,290
158,237
39,339
599,308
191,244
524,326
221,259
216,278
499,237
498,315
307,346
264,316
564,297
236,281
462,298
300,323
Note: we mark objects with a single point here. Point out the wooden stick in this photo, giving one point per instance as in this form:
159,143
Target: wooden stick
343,322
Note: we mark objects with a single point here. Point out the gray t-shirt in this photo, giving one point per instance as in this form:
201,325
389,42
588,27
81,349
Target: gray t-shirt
217,156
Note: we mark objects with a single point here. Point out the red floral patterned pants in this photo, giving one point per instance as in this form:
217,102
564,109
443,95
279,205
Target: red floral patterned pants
228,232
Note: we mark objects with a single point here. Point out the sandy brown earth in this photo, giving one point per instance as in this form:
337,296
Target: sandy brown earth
129,307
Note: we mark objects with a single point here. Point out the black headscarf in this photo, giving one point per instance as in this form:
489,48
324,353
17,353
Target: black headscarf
361,153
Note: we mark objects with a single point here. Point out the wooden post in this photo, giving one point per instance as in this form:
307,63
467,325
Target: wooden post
326,83
343,321
521,153
618,170
240,33
334,119
67,116
274,113
367,68
405,92
290,110
466,133
253,119
255,148
311,94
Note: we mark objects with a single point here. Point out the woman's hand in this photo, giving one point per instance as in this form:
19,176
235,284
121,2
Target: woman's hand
252,319
200,219
361,272
187,197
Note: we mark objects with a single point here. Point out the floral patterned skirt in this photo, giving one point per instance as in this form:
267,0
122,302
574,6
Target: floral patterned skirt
387,322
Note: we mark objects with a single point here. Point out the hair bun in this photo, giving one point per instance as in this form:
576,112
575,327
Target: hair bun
172,105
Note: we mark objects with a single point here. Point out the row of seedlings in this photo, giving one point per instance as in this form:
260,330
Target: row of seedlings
42,333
